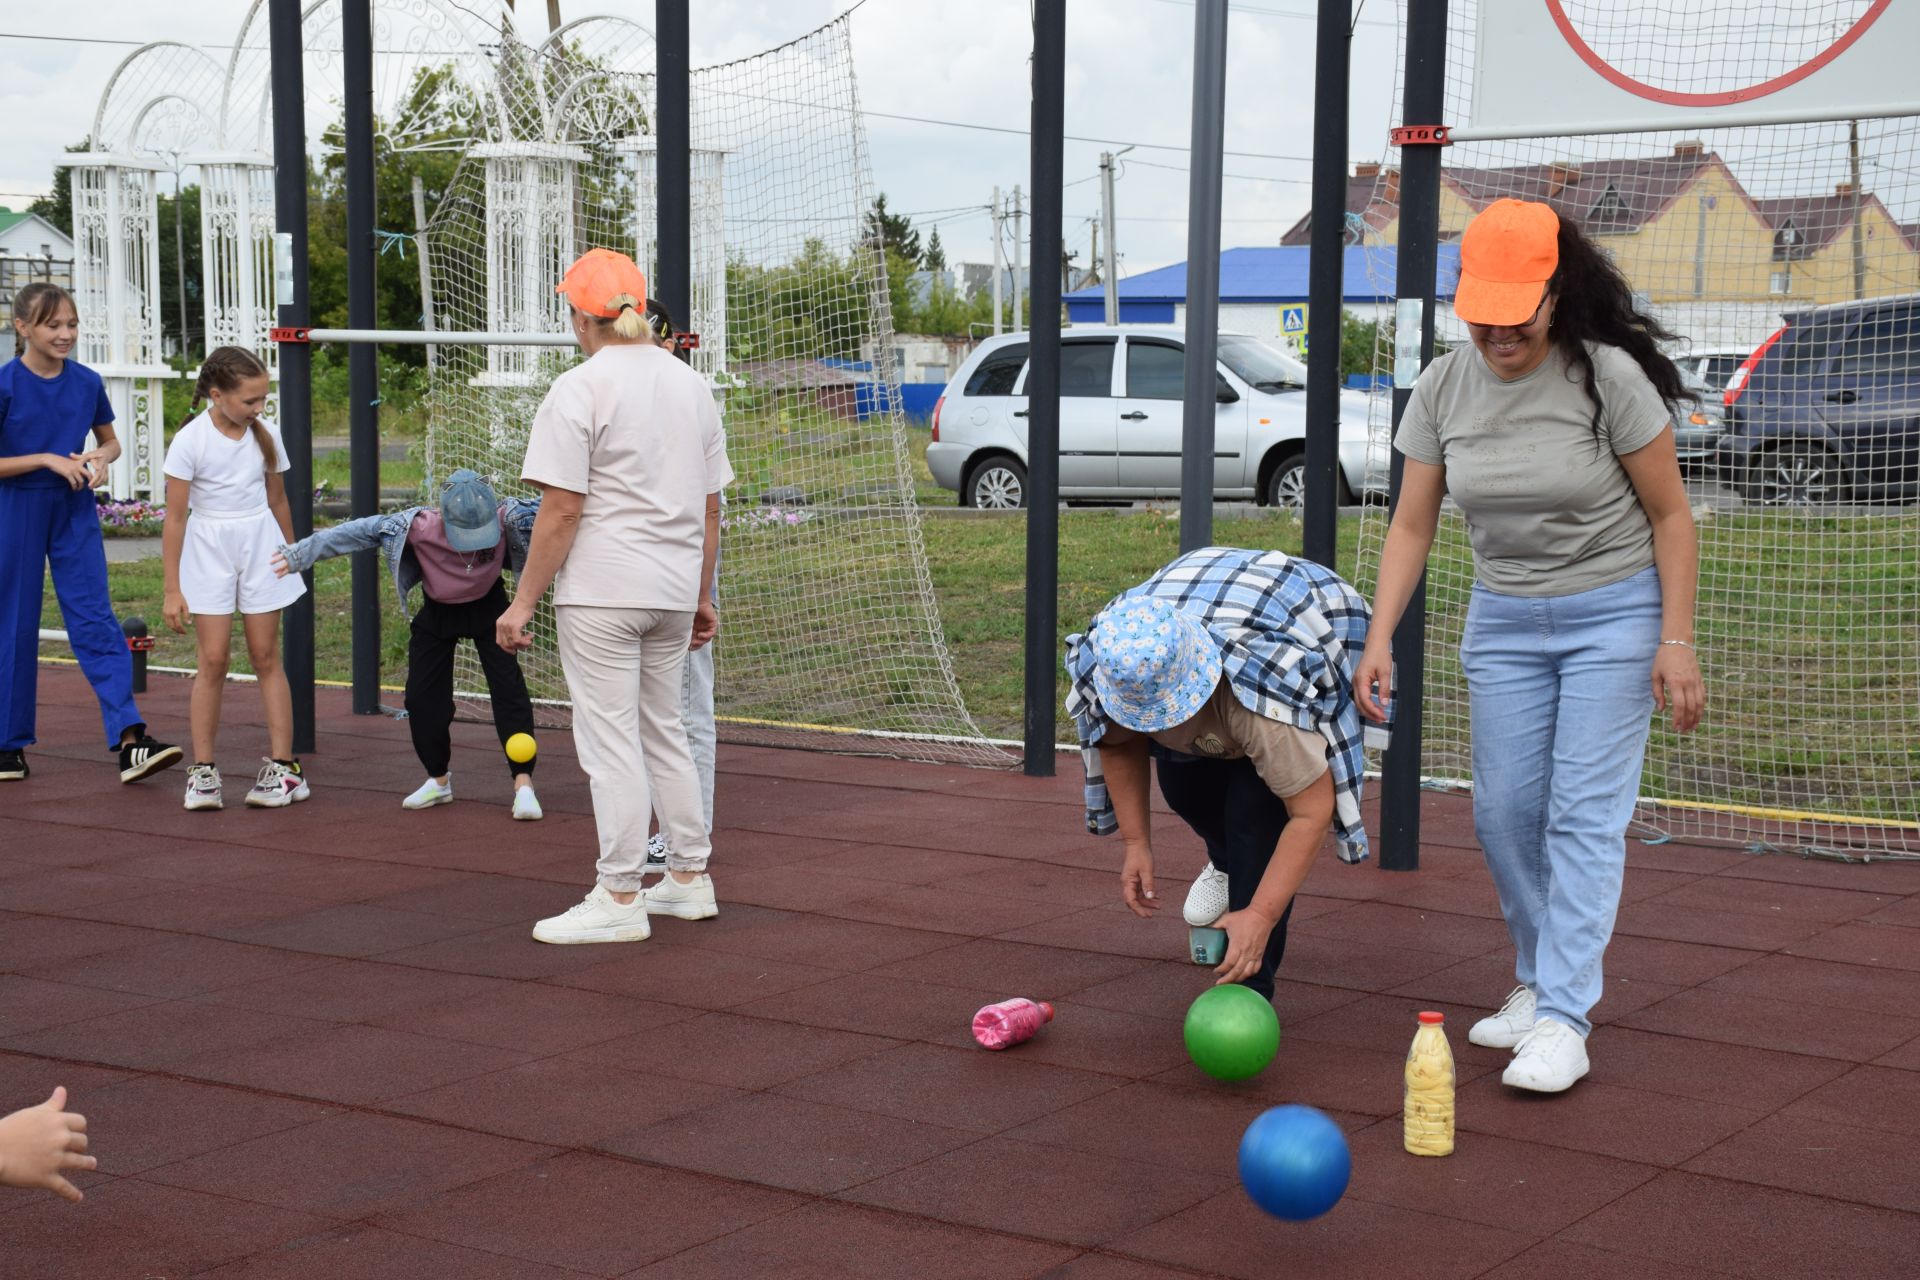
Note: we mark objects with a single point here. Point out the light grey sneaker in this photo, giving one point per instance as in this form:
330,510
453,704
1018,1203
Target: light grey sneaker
278,786
686,901
656,855
597,918
203,787
1508,1027
429,794
1207,899
1549,1060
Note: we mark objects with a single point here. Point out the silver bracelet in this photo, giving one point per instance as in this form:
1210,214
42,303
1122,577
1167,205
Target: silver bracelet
1687,643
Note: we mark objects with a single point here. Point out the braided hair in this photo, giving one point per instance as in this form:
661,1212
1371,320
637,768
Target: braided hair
225,369
660,323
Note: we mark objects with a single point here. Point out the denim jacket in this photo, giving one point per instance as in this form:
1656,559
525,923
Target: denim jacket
389,534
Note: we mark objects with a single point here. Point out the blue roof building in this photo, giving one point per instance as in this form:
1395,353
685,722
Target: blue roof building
1262,277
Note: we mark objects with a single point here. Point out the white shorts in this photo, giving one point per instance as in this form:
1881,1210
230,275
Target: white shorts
227,564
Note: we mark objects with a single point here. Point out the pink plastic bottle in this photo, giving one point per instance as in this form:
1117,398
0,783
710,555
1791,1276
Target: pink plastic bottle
999,1026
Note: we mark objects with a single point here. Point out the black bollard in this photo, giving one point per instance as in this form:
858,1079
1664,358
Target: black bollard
139,643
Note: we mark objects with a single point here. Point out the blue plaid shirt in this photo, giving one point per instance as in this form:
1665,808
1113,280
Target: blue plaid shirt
1290,632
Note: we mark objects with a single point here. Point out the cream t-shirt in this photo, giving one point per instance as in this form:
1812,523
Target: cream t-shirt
1549,508
1288,759
635,430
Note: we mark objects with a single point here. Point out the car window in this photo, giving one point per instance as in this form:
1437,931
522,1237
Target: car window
1720,369
1260,366
1155,370
1880,347
998,372
1086,367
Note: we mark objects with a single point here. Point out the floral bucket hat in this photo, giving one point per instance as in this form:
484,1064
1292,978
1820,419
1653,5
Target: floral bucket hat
1154,666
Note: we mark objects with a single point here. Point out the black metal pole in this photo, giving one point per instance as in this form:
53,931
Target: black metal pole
673,131
363,370
1202,404
1045,160
1326,285
1425,98
296,358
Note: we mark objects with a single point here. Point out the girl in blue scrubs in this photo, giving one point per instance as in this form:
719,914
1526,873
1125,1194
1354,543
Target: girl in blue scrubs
48,515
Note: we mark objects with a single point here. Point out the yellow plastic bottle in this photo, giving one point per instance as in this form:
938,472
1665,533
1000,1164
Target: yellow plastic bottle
1427,1115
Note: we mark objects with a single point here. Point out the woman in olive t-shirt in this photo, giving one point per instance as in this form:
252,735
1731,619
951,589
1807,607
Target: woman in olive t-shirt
1551,434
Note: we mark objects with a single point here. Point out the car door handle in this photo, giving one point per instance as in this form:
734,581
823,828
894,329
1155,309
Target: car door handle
1019,413
1844,396
1135,416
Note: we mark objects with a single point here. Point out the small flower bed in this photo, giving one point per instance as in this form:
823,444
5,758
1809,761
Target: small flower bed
763,518
133,518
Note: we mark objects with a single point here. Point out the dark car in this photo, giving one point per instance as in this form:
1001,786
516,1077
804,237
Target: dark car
1828,408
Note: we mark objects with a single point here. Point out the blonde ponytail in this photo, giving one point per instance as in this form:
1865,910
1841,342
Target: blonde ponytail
630,323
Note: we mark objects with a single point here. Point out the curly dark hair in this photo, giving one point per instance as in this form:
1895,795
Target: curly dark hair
1594,303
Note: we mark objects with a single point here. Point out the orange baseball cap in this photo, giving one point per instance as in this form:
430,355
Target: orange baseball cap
600,282
1507,255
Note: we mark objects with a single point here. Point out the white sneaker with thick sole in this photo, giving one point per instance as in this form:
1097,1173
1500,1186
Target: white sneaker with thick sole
1207,899
278,786
526,805
597,918
1549,1060
685,901
203,787
429,794
1508,1027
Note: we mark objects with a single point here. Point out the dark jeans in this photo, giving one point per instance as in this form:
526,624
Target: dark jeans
1239,817
438,630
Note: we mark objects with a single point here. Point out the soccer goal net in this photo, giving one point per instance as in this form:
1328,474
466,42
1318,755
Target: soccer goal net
830,634
1785,259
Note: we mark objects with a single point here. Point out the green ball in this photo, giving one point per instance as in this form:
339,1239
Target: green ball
1232,1032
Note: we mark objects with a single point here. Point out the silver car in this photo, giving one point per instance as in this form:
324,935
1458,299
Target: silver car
1121,416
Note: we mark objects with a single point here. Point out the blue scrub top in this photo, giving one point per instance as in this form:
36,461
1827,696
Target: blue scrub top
49,415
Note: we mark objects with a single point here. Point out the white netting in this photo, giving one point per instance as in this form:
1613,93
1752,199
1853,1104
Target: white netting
1809,601
829,620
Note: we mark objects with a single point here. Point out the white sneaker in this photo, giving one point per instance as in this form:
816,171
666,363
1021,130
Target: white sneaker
1207,899
203,787
596,918
1549,1060
687,901
1508,1027
278,786
656,855
526,805
429,794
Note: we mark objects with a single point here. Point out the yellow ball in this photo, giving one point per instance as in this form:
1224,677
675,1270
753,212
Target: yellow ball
521,748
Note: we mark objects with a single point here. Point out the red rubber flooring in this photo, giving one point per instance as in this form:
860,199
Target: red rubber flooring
320,1043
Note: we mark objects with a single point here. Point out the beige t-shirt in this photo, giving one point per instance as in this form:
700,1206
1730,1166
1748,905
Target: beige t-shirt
1549,508
1288,759
635,429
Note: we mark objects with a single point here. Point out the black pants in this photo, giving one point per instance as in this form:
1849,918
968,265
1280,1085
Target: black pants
438,630
1236,813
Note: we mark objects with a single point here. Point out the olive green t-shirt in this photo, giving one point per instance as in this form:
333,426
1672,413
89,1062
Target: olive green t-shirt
1549,508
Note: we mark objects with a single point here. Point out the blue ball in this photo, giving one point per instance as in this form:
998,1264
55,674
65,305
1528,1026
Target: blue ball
1294,1162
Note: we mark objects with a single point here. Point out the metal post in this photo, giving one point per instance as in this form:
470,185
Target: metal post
296,358
1859,203
1202,403
426,272
363,370
1425,98
1110,275
999,267
1043,384
1019,283
139,644
674,125
1326,285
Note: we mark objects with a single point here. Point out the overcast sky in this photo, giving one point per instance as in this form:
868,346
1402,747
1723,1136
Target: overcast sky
1129,79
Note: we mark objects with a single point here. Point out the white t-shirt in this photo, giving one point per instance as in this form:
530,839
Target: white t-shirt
634,428
228,477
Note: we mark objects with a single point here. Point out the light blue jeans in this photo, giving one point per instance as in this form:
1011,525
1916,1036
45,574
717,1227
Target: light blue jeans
1562,701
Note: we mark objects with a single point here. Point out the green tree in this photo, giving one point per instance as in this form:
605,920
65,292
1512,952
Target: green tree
892,231
935,258
180,258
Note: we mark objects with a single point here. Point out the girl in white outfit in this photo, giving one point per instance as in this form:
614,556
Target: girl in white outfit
227,464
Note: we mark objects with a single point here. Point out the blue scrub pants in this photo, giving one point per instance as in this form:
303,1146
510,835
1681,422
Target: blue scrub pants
42,526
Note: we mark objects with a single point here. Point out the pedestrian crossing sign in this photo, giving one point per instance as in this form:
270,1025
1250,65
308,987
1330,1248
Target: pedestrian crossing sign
1293,319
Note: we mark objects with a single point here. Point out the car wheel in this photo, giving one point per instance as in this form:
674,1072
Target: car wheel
1287,486
1794,475
998,484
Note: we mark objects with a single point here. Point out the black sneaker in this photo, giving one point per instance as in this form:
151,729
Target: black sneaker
144,757
13,766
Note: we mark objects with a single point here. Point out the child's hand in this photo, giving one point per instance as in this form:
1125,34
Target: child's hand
174,610
280,566
40,1145
71,469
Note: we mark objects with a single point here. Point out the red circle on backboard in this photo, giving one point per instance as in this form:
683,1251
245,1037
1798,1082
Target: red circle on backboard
1640,89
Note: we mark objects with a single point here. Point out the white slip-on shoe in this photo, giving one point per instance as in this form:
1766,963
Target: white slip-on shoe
686,901
597,918
1508,1027
1207,899
526,805
429,794
1549,1060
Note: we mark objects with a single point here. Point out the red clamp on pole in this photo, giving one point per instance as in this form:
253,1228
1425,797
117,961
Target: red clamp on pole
142,644
1423,135
686,341
288,333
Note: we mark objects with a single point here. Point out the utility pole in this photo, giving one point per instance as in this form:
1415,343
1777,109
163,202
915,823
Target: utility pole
1859,203
999,258
1019,285
1108,275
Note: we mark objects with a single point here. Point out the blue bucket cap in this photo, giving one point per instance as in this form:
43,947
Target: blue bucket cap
1155,666
469,512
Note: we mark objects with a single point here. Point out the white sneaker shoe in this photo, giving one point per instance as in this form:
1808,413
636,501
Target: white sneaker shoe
1207,899
526,805
278,786
597,918
1508,1027
429,794
656,855
1549,1060
687,901
203,787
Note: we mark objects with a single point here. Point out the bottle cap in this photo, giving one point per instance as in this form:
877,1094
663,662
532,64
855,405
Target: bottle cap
1046,1008
1432,1019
